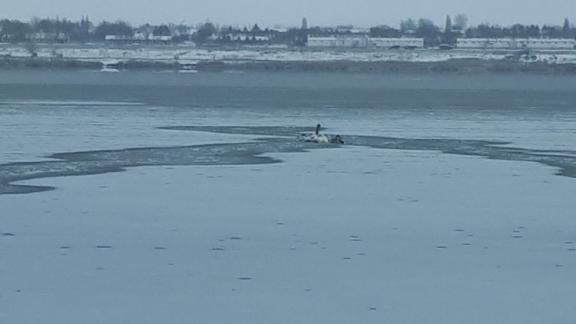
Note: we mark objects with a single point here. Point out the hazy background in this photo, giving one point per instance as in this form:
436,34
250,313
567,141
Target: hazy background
318,12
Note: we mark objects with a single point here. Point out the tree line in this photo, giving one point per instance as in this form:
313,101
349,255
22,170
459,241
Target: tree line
457,28
64,30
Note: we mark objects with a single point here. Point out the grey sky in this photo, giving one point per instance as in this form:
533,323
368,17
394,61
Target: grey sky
290,12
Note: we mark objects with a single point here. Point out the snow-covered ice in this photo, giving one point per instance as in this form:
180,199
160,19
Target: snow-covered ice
330,236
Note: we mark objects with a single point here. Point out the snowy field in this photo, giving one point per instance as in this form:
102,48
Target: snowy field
383,229
186,54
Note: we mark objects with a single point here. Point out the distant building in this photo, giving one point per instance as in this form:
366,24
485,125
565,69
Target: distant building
160,38
397,42
516,43
42,36
363,41
138,37
340,41
118,38
244,37
279,28
351,29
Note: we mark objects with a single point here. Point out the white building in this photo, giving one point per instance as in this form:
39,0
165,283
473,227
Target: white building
381,42
160,38
516,43
118,38
340,41
49,36
138,37
243,37
363,41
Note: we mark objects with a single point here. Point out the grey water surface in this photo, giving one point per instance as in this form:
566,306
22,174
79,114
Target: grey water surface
75,123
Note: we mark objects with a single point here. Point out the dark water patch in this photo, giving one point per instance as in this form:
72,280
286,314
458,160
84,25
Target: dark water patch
290,131
106,161
279,140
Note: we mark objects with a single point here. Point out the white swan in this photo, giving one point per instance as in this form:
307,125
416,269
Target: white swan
316,137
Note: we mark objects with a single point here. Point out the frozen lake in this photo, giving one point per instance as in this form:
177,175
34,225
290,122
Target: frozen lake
450,201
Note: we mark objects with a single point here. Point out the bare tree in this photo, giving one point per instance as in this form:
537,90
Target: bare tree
460,22
408,25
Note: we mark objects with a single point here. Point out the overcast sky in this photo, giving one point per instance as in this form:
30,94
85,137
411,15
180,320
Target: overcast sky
318,12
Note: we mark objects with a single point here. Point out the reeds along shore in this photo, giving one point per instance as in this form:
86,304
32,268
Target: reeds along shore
449,66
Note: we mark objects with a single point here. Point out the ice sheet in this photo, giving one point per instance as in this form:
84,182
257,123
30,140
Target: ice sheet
330,236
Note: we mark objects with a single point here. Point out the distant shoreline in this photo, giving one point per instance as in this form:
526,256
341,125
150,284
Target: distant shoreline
456,66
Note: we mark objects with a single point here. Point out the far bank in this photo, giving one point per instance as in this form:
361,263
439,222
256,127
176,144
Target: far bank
454,65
